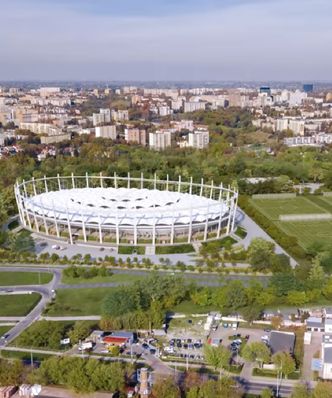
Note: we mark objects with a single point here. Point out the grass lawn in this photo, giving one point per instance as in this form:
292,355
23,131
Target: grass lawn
273,374
24,356
307,232
131,250
116,278
78,302
24,278
4,329
186,248
18,304
188,307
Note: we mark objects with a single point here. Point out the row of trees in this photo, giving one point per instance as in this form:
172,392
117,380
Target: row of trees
143,304
47,334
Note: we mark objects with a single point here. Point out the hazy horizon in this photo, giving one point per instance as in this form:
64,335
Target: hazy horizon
166,40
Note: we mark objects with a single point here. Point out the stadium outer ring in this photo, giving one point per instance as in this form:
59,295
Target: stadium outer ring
151,235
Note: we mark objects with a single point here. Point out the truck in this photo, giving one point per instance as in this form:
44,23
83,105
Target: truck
85,345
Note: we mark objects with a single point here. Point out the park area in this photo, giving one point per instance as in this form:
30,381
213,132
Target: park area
306,230
18,304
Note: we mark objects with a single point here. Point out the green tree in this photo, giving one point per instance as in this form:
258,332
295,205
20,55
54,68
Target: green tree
11,372
301,391
284,363
218,357
166,389
80,331
224,387
296,298
316,274
256,352
260,252
266,393
323,389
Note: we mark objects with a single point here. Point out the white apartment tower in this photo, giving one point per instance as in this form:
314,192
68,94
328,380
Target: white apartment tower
160,140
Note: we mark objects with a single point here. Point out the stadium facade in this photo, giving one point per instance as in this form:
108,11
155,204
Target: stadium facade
126,210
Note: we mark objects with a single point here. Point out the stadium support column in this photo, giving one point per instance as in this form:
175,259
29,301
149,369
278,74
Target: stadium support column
59,182
172,231
167,182
155,181
128,185
206,222
191,186
191,224
100,232
221,211
45,183
87,179
154,232
35,219
34,186
234,211
202,185
135,233
211,191
230,206
69,229
26,210
142,180
101,180
18,201
117,232
220,192
44,219
73,180
179,187
83,228
55,221
115,181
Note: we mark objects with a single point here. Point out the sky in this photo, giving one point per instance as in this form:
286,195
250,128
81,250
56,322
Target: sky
155,40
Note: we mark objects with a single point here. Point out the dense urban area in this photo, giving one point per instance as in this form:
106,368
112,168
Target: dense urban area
227,291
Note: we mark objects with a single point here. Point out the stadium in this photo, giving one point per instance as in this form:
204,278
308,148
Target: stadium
126,210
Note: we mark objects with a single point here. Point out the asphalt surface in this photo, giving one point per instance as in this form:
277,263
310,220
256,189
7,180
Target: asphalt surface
46,291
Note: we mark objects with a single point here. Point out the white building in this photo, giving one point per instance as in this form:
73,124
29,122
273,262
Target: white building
165,110
103,117
192,106
120,115
106,132
199,139
160,140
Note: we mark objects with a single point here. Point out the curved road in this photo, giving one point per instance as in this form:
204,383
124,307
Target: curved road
46,291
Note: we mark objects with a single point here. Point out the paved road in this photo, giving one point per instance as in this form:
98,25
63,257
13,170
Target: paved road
255,231
46,291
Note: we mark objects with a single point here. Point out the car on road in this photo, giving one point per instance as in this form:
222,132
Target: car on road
5,336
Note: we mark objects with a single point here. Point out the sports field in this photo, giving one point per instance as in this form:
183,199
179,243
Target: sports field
306,231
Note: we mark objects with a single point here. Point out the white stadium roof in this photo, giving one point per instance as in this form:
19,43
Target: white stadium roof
122,206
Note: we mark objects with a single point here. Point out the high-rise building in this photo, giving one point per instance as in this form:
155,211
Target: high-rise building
135,135
308,88
265,90
199,139
106,132
160,140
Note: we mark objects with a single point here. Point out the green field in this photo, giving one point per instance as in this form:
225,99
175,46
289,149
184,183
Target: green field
24,278
116,278
4,329
78,302
306,231
273,208
18,304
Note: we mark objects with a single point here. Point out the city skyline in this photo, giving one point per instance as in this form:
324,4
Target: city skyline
186,40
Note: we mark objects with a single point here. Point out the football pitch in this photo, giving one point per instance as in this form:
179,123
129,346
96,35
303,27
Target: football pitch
307,232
